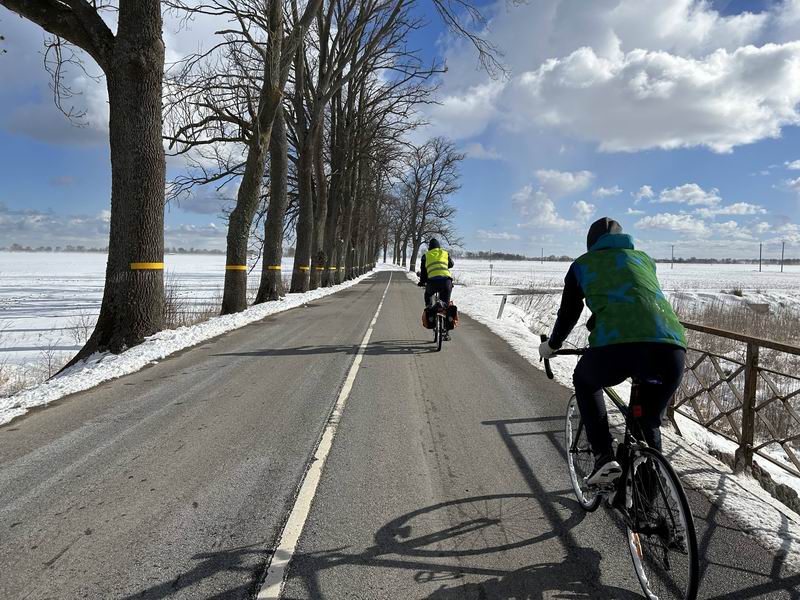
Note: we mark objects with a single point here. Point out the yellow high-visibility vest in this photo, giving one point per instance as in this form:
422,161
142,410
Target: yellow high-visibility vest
437,263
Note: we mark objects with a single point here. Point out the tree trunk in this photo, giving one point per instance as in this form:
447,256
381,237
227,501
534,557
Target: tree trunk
133,299
332,226
305,222
271,287
234,296
415,246
318,258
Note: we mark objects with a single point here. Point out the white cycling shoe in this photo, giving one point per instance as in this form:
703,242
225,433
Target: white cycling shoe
606,471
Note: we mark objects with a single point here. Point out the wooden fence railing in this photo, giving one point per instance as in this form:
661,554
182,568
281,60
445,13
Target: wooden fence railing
727,389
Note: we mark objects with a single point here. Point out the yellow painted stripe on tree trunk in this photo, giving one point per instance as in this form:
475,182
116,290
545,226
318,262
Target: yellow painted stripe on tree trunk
274,267
147,266
331,268
319,268
236,267
308,268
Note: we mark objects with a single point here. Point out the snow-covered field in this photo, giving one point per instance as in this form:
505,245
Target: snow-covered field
49,300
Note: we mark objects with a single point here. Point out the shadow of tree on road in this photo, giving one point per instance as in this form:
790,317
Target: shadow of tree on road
376,348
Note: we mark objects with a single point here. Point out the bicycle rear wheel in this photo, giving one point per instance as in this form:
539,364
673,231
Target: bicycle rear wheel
440,329
661,533
579,457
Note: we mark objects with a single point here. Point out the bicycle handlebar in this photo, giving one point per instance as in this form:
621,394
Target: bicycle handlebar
565,352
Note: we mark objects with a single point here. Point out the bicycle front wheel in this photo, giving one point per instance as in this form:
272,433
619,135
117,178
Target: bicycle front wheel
579,457
661,533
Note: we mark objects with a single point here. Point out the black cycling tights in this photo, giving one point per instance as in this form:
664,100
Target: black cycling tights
444,286
605,366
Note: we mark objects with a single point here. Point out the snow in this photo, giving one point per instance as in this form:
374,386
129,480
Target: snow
106,366
755,511
48,300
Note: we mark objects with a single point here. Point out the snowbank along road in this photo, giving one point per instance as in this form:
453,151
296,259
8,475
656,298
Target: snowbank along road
445,480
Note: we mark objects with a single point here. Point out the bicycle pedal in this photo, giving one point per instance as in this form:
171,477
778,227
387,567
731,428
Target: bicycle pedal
602,488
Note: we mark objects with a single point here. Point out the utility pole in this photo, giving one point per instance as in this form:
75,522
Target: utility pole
672,266
542,256
783,246
760,244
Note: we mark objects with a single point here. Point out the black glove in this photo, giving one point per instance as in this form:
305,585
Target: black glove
420,284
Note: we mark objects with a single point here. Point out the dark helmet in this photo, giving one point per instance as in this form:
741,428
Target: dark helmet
434,243
599,228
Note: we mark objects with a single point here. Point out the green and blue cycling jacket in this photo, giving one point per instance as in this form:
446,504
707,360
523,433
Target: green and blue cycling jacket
620,287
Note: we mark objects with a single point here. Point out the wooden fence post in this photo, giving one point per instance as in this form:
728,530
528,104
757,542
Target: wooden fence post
744,454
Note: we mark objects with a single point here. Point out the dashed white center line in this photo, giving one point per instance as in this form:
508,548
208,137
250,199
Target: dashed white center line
287,544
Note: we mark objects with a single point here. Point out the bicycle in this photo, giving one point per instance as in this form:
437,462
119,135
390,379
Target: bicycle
440,332
648,496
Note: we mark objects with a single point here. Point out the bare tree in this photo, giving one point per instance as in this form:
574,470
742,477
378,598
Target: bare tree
430,178
133,63
262,29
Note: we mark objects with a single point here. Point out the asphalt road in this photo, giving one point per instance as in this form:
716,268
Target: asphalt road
446,479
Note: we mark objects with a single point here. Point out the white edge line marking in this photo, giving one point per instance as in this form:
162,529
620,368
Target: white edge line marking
278,568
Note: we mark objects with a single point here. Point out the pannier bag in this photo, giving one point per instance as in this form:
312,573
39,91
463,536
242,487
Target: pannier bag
429,317
452,316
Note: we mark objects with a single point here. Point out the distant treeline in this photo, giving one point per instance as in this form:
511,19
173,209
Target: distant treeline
89,249
483,255
730,261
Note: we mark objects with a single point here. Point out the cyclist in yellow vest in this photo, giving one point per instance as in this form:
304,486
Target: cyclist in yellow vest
434,273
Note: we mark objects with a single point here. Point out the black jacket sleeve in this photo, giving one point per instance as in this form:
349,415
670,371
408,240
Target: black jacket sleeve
450,263
570,310
423,272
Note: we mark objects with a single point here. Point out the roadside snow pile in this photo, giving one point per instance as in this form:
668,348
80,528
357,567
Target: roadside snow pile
775,526
103,367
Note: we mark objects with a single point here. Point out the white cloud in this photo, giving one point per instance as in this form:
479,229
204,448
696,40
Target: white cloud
604,192
634,211
645,192
477,151
646,99
680,223
36,228
465,114
731,230
761,227
691,194
792,184
583,210
793,165
486,235
739,208
563,183
539,209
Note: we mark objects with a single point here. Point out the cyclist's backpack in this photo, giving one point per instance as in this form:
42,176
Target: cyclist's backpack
452,316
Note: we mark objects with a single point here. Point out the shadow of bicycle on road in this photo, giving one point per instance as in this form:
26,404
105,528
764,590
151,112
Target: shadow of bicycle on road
425,542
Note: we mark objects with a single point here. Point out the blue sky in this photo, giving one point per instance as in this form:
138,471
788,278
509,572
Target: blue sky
677,118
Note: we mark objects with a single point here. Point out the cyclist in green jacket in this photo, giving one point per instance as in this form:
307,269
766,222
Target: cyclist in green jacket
634,333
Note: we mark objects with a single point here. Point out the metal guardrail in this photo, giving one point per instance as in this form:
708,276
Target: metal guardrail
740,399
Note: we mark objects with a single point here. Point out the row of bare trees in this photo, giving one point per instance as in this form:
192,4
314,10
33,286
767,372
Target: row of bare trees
305,106
420,208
